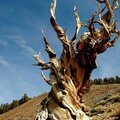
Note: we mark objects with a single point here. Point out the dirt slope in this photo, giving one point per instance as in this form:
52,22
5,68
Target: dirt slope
102,101
26,111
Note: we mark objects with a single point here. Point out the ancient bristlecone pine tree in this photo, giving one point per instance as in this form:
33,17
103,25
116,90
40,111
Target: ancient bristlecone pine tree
70,73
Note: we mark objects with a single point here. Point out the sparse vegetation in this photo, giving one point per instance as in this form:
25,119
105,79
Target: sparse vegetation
109,98
102,102
111,80
96,110
104,81
15,103
98,94
115,98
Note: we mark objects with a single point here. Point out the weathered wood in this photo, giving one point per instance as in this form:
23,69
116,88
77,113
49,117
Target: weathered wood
70,73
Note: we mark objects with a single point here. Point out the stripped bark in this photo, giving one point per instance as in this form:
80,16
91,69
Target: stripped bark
70,73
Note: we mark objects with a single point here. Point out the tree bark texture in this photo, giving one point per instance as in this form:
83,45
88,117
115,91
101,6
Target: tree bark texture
70,73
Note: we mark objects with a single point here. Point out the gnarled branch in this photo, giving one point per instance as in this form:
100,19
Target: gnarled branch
44,66
69,74
60,32
78,25
51,53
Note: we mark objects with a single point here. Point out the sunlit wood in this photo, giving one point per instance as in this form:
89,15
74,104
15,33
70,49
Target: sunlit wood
70,73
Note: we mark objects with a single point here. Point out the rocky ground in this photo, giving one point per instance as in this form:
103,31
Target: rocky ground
103,102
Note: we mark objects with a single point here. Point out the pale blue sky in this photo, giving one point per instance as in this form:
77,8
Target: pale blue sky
21,22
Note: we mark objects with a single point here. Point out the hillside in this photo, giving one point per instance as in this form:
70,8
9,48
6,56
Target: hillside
26,111
102,101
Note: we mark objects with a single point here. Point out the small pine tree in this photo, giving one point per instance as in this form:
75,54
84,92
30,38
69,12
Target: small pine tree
111,80
98,81
117,79
14,104
105,80
6,107
24,99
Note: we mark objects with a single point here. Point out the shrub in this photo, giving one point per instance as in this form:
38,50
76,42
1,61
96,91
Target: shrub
115,98
96,110
102,102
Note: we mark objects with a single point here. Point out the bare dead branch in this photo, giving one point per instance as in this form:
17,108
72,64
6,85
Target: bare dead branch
115,5
51,53
91,26
60,32
45,79
78,25
109,7
101,1
41,63
115,39
105,20
99,12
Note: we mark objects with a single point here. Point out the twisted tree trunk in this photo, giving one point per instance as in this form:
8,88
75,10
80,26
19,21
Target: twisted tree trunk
69,74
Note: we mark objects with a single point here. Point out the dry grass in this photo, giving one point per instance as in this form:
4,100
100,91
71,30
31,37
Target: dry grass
26,111
102,100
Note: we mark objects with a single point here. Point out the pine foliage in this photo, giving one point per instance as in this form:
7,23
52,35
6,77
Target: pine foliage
15,103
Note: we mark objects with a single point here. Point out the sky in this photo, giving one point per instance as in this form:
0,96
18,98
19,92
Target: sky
21,22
